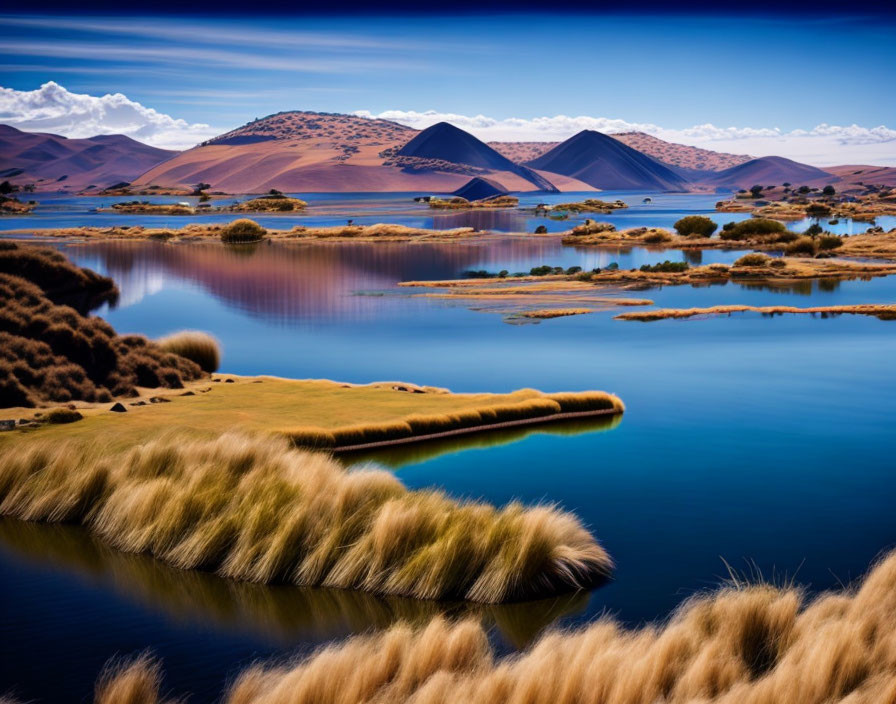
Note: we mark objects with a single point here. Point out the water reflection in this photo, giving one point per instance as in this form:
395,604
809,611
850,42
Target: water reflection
277,614
402,455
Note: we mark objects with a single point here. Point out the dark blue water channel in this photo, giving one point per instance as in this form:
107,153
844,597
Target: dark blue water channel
763,442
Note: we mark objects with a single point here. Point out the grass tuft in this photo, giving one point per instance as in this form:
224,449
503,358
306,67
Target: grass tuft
259,510
242,231
743,644
199,347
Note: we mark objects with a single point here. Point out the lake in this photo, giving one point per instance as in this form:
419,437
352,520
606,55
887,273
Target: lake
755,442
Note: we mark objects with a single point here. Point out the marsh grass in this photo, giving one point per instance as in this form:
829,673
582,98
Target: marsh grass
540,406
198,347
242,231
756,644
258,510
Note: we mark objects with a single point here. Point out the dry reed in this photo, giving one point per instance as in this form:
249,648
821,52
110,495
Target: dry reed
742,645
258,510
199,347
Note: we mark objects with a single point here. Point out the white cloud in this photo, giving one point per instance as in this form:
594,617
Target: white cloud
52,108
824,145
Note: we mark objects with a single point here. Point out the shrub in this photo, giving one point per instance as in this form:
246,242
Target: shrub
829,190
695,225
242,230
657,236
828,241
803,245
199,347
665,267
62,415
541,230
813,230
754,227
756,191
753,259
777,263
818,210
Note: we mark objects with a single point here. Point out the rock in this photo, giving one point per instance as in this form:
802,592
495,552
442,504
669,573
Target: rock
228,381
159,399
139,403
188,393
118,408
7,424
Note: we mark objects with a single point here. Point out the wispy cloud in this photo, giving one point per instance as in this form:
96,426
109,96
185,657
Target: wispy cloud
822,145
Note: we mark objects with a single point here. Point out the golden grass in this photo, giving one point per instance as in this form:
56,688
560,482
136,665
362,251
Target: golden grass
547,313
312,412
255,509
741,645
270,204
458,203
199,347
883,311
590,205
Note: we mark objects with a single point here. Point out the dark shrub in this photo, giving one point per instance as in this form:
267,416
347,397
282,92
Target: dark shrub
62,415
754,227
694,225
804,245
818,210
829,191
828,241
666,267
541,230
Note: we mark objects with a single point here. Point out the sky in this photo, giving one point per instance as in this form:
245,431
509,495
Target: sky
815,87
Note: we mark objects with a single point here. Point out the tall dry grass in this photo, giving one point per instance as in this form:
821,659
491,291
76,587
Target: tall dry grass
199,347
256,509
541,406
742,645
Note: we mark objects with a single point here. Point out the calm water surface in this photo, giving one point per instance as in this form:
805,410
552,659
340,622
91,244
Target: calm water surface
765,442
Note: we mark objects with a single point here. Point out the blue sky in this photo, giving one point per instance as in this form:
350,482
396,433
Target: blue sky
676,71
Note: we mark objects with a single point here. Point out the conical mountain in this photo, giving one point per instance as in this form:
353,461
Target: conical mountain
607,163
446,142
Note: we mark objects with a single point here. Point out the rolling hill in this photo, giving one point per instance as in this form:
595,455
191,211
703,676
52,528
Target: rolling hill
607,163
55,163
322,152
770,171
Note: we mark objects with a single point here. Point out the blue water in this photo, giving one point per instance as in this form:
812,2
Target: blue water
327,209
763,442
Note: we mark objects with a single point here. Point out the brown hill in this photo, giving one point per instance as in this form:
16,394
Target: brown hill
321,152
770,171
55,163
855,175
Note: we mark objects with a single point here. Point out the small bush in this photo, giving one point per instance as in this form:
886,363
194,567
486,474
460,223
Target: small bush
695,226
818,210
753,259
657,237
196,346
828,241
803,245
242,230
754,227
541,230
62,415
665,267
777,263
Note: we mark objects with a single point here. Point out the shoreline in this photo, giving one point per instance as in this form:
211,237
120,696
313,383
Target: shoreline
523,422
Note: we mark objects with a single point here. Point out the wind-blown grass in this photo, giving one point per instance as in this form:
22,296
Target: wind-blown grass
199,347
542,406
742,645
258,510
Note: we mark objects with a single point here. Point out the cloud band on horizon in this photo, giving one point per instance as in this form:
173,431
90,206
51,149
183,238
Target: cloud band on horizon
52,108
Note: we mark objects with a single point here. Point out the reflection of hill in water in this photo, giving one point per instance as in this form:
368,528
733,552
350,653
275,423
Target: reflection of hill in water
288,281
281,615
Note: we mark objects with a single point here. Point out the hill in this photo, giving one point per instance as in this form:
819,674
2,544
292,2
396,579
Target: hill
479,188
681,156
323,152
443,142
607,163
853,175
770,171
55,163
